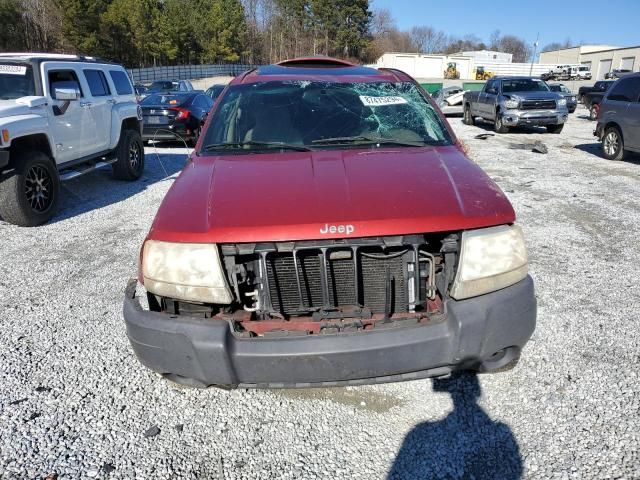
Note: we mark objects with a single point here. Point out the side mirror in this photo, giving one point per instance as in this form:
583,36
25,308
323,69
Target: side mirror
65,91
67,94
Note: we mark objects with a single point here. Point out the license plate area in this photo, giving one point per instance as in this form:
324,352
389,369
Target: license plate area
156,120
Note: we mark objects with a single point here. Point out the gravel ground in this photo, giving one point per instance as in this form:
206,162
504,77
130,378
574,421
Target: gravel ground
75,403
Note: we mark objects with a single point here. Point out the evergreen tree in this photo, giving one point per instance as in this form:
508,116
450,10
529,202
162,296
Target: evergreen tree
81,23
12,32
222,30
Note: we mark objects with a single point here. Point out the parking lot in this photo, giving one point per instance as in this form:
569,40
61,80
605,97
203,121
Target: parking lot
76,403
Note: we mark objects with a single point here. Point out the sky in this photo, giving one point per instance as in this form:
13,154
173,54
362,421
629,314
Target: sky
612,22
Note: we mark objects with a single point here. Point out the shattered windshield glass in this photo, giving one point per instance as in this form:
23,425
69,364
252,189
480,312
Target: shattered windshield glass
16,81
323,115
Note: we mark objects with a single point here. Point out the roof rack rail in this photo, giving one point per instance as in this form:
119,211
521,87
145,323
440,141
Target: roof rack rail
396,72
315,62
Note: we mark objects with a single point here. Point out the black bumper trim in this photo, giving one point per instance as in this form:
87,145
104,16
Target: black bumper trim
208,351
4,158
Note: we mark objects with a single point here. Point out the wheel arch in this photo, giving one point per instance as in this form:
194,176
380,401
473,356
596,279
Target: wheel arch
35,142
124,117
615,125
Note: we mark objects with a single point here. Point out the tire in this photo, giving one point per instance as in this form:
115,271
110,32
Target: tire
498,126
555,128
467,118
593,112
612,144
196,135
130,156
502,361
29,196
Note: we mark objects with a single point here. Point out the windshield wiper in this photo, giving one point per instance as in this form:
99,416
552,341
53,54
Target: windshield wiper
368,140
250,143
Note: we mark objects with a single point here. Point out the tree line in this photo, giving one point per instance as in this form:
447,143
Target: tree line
141,33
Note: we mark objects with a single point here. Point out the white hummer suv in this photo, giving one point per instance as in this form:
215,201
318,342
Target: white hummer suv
62,116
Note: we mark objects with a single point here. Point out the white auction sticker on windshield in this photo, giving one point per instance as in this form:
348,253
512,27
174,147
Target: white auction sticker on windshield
380,101
13,69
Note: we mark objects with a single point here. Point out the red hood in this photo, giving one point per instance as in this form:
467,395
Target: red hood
296,195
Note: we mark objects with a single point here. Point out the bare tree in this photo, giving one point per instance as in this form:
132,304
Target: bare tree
43,24
426,39
382,23
520,50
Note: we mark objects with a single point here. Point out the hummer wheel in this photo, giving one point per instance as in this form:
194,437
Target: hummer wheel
29,192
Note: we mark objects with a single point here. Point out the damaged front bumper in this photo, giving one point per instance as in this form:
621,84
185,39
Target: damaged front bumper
484,333
513,118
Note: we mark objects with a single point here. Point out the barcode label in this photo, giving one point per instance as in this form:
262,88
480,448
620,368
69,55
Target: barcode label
13,69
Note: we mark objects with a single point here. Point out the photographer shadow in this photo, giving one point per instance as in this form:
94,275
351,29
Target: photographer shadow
467,444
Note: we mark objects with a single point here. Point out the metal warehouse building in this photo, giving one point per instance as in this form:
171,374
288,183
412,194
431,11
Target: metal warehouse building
600,58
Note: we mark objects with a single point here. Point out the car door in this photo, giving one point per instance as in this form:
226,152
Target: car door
490,99
71,123
482,99
101,107
202,104
632,116
617,108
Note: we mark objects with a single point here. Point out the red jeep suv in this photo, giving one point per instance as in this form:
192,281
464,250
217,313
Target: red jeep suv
328,229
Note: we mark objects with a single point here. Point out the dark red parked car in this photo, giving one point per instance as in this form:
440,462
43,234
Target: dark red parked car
329,230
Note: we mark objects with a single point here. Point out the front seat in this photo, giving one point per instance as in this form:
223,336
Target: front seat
273,124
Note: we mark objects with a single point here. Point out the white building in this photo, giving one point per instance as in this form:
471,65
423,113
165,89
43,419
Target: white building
600,58
492,56
433,66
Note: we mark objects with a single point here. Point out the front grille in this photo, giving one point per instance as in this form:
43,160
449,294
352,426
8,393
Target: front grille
340,283
538,105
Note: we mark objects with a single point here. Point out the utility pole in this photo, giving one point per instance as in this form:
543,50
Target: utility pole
533,57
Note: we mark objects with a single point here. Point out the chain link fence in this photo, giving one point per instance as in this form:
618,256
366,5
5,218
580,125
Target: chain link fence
187,72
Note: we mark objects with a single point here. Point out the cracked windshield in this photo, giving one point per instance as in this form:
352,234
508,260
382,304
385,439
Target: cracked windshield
308,115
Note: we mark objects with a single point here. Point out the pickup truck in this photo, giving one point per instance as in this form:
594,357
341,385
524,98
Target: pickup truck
516,101
62,116
600,86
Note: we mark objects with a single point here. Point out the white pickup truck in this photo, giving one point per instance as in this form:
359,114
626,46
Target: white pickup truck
62,116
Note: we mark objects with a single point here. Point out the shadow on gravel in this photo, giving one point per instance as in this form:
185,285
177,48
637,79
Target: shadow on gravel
99,189
596,149
466,444
488,126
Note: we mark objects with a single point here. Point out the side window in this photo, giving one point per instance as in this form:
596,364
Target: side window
63,79
203,102
626,90
97,83
121,82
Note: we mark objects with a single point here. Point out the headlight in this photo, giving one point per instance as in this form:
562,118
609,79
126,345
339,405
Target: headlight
562,102
185,271
490,259
511,103
573,99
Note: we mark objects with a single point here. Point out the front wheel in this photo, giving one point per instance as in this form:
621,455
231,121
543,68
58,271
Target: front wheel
29,195
194,140
467,118
499,126
130,156
612,144
555,128
593,112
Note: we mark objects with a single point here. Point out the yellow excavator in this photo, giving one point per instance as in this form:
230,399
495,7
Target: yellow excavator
452,71
482,74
